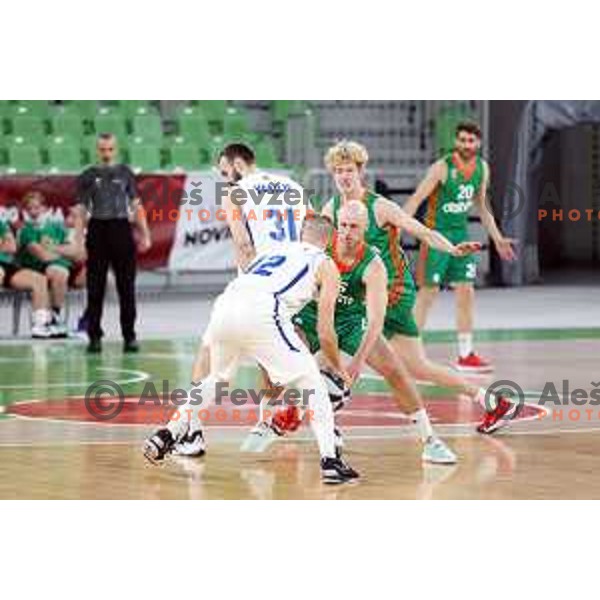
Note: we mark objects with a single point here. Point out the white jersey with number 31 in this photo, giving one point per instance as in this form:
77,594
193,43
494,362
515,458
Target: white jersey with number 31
274,208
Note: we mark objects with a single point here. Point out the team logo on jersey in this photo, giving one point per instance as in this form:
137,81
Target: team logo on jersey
343,299
457,208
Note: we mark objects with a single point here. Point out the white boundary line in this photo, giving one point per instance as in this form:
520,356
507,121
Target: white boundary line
137,376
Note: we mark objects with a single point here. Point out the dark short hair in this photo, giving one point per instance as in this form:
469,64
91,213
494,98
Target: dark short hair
239,150
469,127
105,135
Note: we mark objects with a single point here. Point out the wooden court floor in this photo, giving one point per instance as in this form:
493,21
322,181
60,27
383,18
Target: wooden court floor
51,448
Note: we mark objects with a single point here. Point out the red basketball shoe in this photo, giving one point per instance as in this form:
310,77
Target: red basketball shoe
473,363
500,416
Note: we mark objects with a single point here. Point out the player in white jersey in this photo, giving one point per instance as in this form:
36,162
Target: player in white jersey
279,283
263,209
254,229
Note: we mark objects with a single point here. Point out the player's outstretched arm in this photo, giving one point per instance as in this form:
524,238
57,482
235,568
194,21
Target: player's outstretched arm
328,280
376,297
242,244
435,175
504,245
389,213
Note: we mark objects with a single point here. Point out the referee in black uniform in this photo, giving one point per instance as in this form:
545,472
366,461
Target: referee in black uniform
107,192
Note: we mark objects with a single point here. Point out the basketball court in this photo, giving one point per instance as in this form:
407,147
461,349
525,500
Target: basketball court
53,447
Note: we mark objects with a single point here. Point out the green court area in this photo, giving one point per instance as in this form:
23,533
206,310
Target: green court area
59,370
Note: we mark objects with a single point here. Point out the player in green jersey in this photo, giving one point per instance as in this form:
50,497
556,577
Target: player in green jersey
452,186
45,247
347,162
14,276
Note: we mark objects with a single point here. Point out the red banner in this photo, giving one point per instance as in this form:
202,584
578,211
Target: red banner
160,194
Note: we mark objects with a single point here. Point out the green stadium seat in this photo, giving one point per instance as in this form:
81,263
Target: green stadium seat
185,156
130,108
34,108
148,126
64,156
265,153
145,158
67,124
87,109
194,126
282,109
214,110
110,122
29,127
235,123
215,146
24,158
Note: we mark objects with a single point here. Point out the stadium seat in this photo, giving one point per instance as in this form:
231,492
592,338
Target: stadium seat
265,153
235,123
130,108
194,127
185,156
33,108
144,157
29,127
67,124
86,109
64,156
282,109
148,126
110,122
214,111
24,158
215,146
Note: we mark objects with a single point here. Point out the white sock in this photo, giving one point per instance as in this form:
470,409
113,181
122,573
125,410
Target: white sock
321,417
421,420
40,317
187,416
465,344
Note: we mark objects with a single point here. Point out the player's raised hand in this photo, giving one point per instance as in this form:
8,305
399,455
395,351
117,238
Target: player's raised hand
466,248
505,248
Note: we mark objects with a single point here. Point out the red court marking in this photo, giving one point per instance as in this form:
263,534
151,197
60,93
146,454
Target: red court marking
364,411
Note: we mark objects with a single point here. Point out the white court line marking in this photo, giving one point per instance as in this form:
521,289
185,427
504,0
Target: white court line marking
136,377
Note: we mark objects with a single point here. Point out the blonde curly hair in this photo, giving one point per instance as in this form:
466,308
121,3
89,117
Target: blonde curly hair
346,151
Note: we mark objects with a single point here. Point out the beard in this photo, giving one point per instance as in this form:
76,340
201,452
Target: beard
466,155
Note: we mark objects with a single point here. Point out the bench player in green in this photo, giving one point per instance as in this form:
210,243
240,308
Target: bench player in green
451,187
347,162
14,276
45,247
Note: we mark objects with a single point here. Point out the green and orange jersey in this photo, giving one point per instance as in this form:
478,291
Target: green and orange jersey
387,241
352,286
449,205
5,231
